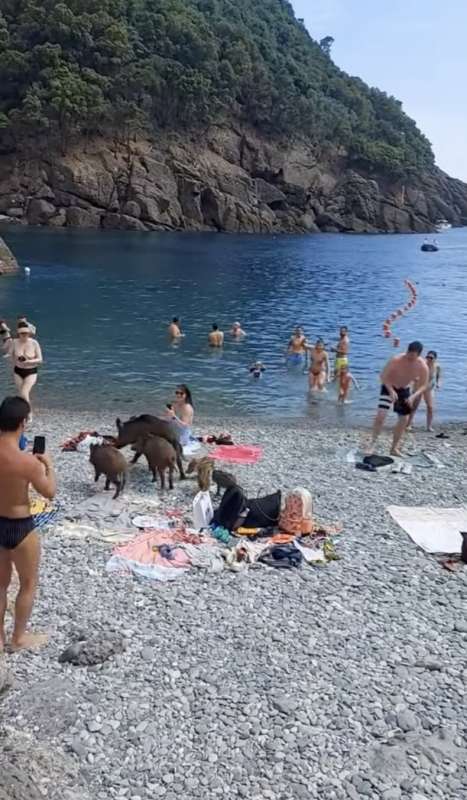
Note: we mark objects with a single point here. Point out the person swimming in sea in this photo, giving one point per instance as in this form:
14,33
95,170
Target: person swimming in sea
257,369
296,348
174,330
318,374
216,337
237,331
346,380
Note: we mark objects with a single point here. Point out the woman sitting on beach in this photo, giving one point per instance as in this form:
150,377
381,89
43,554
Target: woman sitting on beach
182,413
27,357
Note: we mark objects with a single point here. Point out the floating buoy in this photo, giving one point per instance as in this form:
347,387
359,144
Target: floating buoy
399,313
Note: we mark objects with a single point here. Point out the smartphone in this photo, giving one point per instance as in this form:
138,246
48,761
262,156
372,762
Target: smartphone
38,447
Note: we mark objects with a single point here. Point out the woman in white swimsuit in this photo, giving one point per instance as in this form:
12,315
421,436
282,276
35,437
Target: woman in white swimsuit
26,354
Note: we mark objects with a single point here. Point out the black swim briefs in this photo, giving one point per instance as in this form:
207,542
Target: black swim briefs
14,531
401,407
25,372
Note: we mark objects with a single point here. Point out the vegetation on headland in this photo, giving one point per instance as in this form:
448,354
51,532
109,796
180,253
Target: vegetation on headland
81,67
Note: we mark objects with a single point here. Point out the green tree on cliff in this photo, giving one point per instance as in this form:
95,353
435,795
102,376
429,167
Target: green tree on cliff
78,67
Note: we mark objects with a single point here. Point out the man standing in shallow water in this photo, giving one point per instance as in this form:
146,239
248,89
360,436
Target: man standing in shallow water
19,542
216,337
397,377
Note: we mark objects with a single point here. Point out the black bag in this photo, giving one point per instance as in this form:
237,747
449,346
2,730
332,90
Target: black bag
378,461
231,507
264,511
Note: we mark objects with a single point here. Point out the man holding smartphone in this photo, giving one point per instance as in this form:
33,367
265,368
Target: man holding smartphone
19,542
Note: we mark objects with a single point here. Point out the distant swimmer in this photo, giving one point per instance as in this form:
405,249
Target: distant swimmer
296,349
174,329
237,331
342,350
346,379
216,337
397,378
257,369
318,374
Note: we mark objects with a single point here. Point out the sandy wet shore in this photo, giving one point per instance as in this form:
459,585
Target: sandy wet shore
346,681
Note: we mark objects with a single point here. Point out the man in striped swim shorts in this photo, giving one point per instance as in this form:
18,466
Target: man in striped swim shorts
19,542
398,378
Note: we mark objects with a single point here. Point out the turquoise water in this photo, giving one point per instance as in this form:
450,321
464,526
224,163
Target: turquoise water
102,301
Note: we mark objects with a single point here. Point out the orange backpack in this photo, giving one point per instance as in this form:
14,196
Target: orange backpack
297,514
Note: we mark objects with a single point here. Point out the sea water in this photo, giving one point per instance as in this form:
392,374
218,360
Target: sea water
102,302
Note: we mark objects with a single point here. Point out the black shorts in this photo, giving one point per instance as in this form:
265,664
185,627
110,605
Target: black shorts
14,531
401,407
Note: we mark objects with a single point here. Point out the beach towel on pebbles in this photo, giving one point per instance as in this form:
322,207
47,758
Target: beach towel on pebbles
237,454
101,511
164,555
435,530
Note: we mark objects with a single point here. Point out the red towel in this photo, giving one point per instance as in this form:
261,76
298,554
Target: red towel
237,454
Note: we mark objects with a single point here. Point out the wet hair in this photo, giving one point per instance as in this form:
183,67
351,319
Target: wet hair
13,412
432,353
184,388
344,328
320,341
415,347
215,326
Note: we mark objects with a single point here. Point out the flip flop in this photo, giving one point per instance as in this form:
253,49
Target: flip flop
444,435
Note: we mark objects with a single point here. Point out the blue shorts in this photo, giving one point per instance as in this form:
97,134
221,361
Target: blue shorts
295,359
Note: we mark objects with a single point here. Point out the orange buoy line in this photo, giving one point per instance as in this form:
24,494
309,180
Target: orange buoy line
399,313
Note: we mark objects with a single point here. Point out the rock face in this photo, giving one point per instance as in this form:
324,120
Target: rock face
8,263
231,180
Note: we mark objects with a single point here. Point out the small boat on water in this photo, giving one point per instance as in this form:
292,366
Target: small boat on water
443,225
429,247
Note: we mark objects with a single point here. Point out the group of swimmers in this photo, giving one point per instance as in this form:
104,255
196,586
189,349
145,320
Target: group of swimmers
315,359
216,337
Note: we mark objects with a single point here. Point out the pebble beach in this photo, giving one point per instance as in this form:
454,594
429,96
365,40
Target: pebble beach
334,682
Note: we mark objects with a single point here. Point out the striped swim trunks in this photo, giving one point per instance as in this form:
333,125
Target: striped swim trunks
400,406
14,531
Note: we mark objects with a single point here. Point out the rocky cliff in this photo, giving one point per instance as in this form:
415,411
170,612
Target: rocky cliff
230,180
8,263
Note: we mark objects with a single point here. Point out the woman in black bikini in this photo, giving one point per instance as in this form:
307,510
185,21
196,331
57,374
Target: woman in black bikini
26,354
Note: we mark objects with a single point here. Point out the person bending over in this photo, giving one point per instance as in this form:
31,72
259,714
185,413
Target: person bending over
396,380
19,542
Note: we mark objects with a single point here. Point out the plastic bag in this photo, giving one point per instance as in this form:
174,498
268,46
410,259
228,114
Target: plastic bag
202,510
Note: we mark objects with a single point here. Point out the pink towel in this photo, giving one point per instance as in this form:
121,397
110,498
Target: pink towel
237,453
144,549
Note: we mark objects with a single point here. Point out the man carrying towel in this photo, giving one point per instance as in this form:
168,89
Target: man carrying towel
399,374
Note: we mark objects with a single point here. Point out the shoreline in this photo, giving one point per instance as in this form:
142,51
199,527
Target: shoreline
232,679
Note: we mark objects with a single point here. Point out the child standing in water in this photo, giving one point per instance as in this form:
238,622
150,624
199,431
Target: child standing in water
346,379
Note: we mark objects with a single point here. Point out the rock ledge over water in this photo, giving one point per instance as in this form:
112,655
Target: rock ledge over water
231,180
8,263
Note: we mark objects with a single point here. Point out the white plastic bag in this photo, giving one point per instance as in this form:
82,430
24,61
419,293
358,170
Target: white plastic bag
202,510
